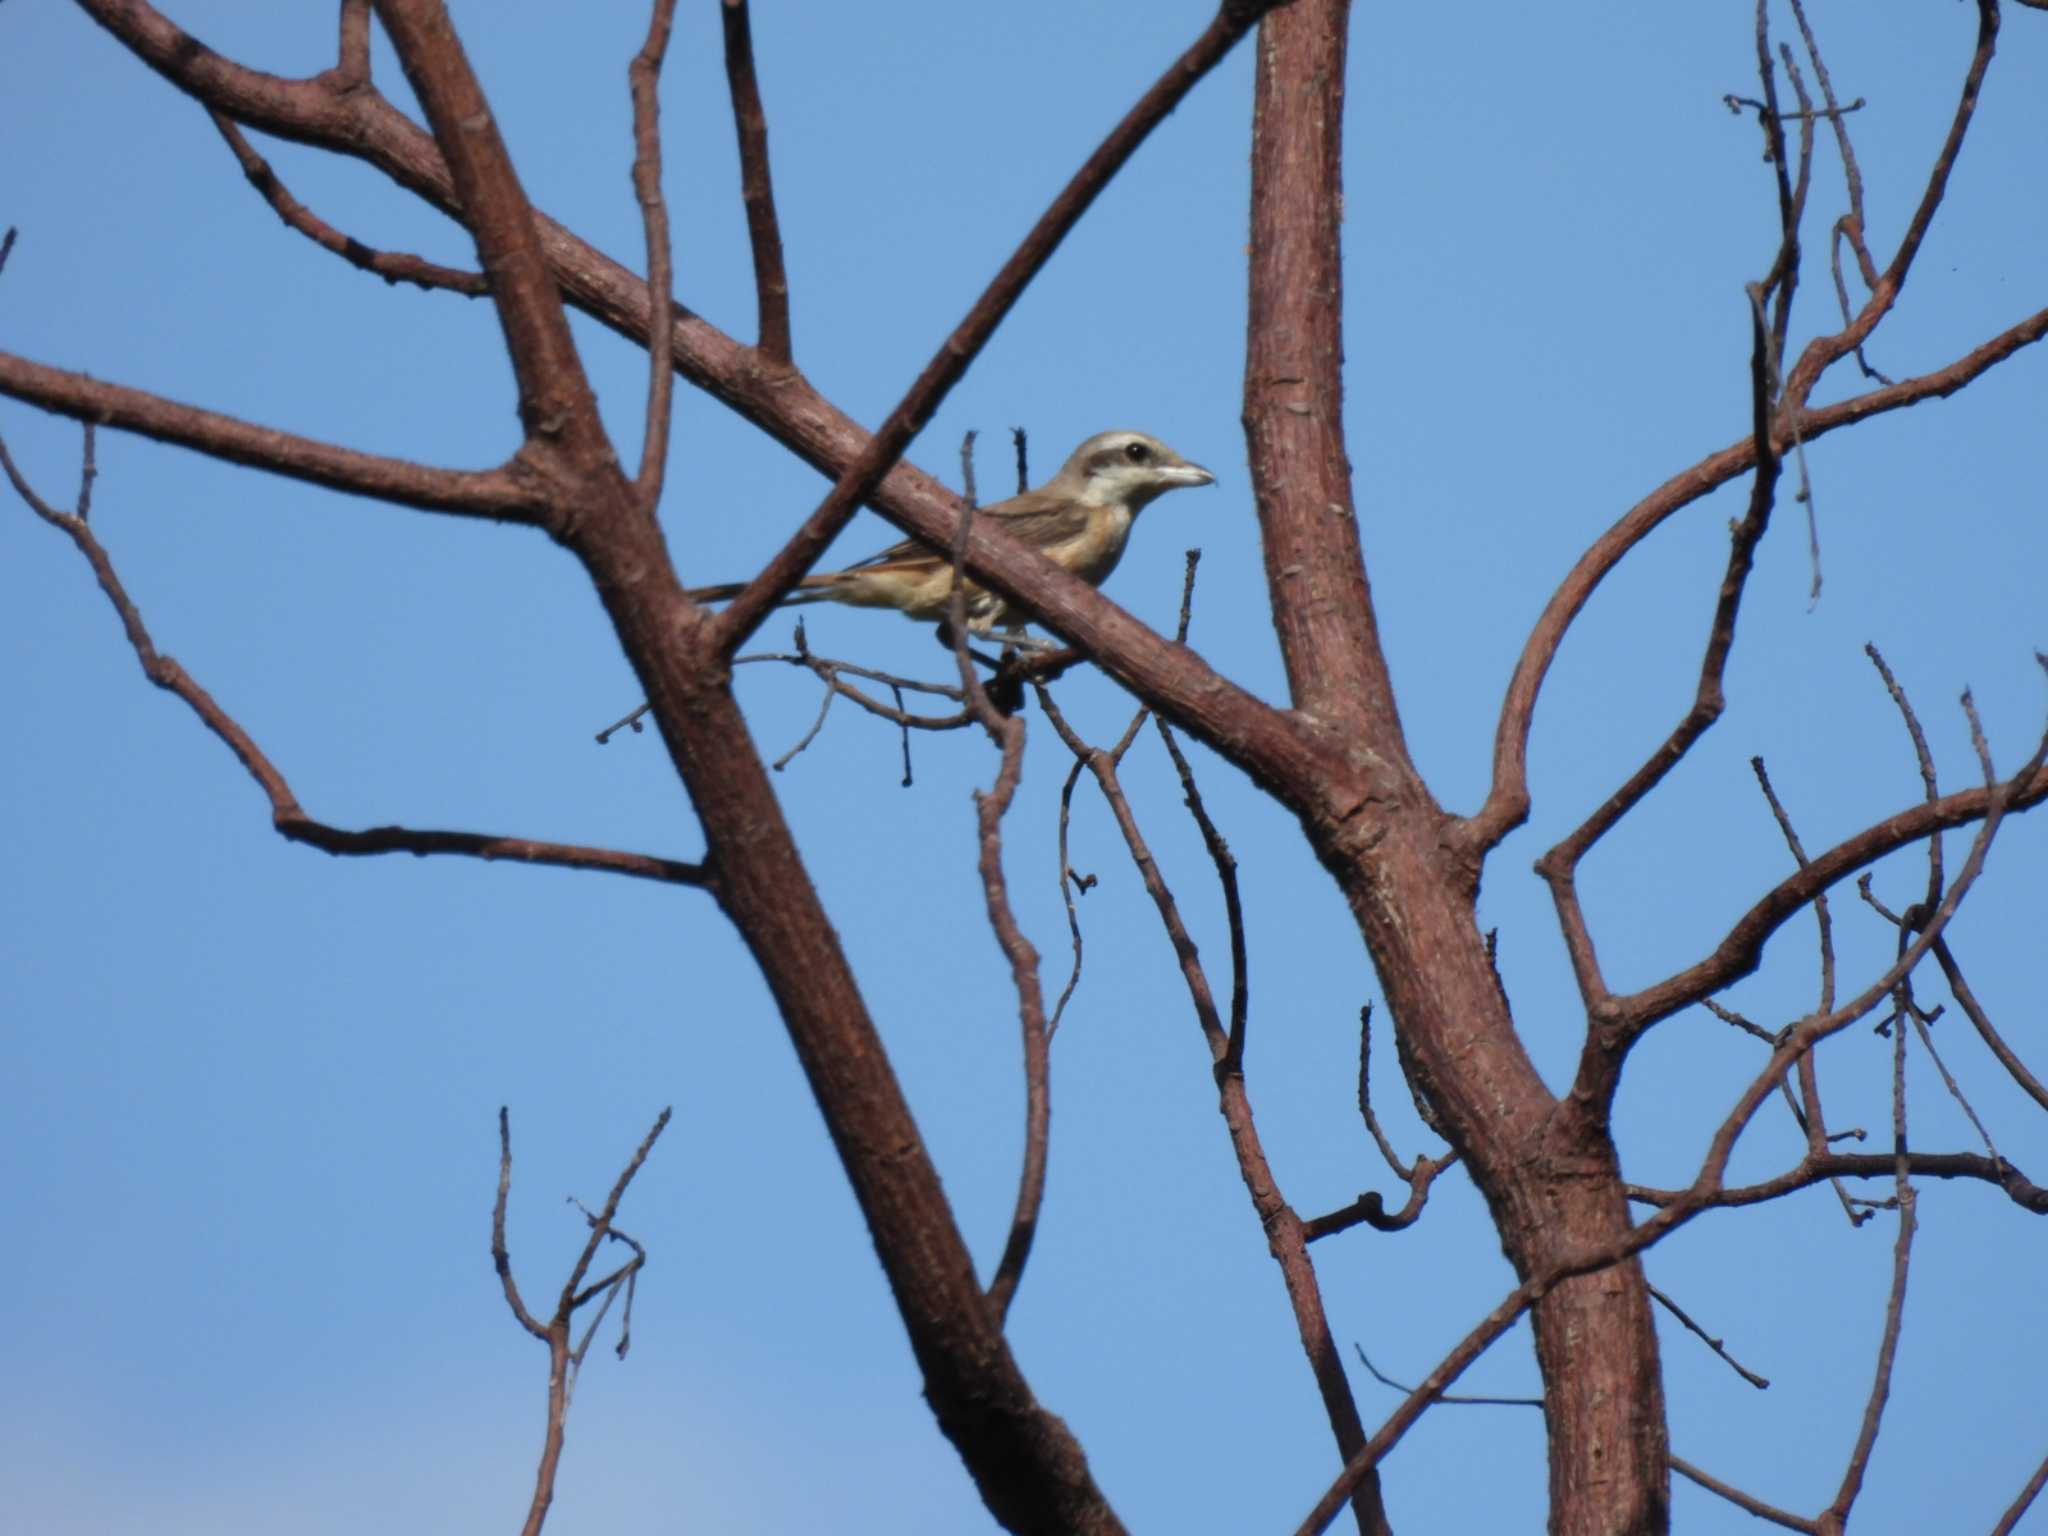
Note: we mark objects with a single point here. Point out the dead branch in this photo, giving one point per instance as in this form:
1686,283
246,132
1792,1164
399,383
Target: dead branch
392,266
1748,1503
644,75
565,1359
507,494
1706,1338
286,814
757,187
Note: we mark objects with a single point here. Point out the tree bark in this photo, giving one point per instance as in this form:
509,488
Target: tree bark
1409,870
1550,1177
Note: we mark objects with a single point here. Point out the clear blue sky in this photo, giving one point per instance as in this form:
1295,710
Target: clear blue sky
246,1108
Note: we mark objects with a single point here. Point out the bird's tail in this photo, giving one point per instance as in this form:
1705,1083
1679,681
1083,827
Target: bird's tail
812,589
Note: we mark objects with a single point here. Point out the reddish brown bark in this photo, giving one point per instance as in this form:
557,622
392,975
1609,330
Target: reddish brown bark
1029,1469
1392,850
1409,870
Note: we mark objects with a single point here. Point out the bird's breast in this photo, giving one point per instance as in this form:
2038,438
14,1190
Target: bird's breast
1093,553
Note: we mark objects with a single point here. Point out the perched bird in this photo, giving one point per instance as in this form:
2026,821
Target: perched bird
1078,519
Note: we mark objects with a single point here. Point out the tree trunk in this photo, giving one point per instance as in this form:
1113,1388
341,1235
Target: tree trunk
1552,1181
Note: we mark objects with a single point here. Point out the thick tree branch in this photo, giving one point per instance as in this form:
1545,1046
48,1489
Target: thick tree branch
507,494
557,407
1026,1464
1294,381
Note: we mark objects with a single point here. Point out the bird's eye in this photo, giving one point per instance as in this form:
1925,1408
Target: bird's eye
1137,453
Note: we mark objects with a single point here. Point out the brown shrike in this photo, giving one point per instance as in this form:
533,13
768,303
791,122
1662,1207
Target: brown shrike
1079,519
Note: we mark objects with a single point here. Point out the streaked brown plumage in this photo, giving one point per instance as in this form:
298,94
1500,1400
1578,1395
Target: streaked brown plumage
1079,519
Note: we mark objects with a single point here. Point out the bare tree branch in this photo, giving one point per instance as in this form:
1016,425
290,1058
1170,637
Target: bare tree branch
392,266
757,187
1974,1011
644,73
1007,732
1748,1503
1817,1168
1507,802
1706,1338
1836,1517
2009,1521
352,59
564,1359
1738,953
1287,1236
508,494
1599,1066
287,816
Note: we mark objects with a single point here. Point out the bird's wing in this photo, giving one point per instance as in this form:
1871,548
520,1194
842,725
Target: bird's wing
1037,518
1041,521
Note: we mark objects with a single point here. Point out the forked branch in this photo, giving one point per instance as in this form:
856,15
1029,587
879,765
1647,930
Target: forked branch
289,818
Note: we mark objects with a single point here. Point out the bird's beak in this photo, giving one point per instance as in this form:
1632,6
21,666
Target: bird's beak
1191,474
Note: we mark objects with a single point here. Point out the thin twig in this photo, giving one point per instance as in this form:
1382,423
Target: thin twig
644,81
1759,1382
1226,877
833,673
1955,1091
1601,1057
2009,1521
601,1223
1816,1168
501,1254
1737,953
1287,1235
563,1358
1069,883
1007,732
1748,1503
1974,1011
1372,1121
392,266
1507,801
1449,1397
757,187
1812,1118
1836,1516
1921,755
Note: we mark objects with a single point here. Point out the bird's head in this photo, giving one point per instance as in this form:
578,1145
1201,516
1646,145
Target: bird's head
1126,469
